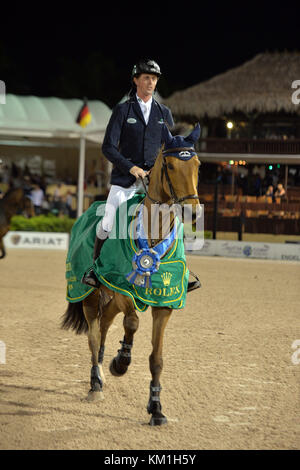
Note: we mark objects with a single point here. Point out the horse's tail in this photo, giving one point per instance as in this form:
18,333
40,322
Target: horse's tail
74,318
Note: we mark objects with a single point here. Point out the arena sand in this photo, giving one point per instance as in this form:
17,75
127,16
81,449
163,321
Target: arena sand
230,378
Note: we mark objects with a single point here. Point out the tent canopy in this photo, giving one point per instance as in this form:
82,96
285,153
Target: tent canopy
31,116
30,120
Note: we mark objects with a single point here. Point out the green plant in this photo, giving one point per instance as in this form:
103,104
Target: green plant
42,223
207,235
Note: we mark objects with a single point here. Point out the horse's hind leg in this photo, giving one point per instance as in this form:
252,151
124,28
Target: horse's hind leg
120,363
90,309
109,311
160,320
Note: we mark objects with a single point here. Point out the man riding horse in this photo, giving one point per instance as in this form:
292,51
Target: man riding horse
133,138
139,270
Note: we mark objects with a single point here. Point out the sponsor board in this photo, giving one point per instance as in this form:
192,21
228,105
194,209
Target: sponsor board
256,250
40,240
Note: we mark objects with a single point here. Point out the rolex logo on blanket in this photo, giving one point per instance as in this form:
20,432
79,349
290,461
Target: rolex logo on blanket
155,276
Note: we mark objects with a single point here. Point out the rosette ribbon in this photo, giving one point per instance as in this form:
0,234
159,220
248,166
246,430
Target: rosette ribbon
147,260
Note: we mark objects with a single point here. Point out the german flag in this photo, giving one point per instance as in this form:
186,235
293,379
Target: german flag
84,115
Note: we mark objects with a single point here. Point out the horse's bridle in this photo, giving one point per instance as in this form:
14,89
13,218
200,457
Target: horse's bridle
164,172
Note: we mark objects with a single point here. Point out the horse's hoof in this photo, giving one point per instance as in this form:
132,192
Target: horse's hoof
95,396
113,368
158,420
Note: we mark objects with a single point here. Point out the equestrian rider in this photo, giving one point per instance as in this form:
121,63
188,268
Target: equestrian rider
132,142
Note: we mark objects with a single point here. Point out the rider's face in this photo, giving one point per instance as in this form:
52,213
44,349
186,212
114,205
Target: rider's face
145,84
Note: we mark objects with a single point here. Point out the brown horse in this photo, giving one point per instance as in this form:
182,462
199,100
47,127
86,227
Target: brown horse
13,202
173,180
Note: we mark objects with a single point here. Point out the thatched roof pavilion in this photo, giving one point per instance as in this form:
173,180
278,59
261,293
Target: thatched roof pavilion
261,85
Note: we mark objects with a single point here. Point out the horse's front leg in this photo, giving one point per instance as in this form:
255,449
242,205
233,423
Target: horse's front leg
91,313
160,320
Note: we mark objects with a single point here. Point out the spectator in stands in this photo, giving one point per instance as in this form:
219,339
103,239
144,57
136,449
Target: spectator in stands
37,196
57,198
68,204
257,184
280,191
270,192
46,206
27,186
5,174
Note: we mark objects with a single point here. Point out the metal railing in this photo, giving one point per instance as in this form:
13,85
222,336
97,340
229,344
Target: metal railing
256,146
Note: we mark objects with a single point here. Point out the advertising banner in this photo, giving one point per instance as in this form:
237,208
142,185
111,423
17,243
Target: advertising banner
257,250
40,240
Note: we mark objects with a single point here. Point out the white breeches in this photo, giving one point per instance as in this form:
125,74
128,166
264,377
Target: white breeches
117,195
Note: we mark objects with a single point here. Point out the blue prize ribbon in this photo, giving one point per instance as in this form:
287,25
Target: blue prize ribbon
141,275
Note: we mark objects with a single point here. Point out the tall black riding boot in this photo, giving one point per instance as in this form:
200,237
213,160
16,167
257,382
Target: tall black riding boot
89,276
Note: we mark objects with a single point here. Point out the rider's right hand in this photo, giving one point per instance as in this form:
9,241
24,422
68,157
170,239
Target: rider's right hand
138,172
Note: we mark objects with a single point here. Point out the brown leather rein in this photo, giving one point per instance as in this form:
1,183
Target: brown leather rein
164,171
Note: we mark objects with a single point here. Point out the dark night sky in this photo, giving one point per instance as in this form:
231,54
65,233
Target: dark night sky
93,56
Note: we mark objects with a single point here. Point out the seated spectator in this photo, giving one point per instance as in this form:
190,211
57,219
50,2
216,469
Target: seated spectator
280,191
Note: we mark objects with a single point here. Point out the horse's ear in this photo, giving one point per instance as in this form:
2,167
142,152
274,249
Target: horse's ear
167,137
194,135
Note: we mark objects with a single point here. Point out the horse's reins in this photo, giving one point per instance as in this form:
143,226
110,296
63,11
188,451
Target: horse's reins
164,171
176,200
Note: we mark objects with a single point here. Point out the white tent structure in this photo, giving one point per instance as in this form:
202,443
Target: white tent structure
51,122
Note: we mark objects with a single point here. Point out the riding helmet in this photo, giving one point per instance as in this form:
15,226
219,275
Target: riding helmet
146,66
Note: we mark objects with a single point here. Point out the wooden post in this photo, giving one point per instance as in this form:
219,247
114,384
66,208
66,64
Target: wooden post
233,179
215,218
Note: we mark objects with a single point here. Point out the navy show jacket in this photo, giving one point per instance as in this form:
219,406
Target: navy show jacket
129,141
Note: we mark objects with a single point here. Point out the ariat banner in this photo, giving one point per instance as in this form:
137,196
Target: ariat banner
113,267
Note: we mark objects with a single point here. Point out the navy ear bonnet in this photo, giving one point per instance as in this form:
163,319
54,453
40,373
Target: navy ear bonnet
179,146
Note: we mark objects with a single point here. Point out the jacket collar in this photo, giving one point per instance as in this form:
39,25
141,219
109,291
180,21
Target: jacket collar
138,110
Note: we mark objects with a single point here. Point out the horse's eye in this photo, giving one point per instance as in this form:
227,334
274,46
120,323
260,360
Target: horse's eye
170,166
